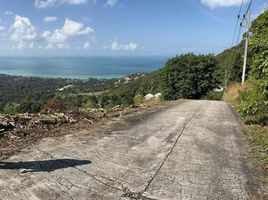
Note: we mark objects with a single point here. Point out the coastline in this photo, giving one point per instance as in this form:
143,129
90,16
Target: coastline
81,68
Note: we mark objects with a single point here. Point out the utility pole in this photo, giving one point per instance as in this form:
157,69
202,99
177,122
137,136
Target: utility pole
225,79
246,47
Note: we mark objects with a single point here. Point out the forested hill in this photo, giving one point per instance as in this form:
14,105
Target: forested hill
29,94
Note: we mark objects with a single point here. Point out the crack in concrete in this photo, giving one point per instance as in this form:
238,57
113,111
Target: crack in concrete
171,150
135,195
62,190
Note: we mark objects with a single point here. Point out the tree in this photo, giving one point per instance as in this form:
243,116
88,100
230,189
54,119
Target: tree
230,62
188,76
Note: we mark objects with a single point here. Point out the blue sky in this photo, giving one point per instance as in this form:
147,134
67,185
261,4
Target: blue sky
117,27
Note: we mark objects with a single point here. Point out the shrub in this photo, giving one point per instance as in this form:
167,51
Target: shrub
253,102
89,104
138,99
11,108
217,96
30,106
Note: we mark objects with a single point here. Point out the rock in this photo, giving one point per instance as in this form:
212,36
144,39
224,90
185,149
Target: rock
149,97
158,95
7,123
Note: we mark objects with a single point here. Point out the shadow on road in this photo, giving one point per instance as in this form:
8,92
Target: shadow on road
43,165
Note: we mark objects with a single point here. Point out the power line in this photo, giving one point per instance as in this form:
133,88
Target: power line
237,21
242,21
242,2
265,8
249,5
247,10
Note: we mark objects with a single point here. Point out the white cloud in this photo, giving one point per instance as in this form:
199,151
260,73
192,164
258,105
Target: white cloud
7,12
2,28
23,29
111,3
50,46
117,46
51,3
63,46
87,45
221,3
50,19
72,28
58,37
55,46
69,29
23,45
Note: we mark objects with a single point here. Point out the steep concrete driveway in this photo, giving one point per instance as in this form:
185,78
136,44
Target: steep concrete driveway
189,150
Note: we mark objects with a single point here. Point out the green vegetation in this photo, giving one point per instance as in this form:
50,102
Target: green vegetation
186,76
215,95
189,76
229,64
124,94
259,136
253,101
11,108
30,94
138,99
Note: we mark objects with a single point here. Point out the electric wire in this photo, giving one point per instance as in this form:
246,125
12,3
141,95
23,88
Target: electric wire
242,21
237,21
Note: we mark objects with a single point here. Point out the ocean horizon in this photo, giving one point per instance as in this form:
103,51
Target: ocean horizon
80,67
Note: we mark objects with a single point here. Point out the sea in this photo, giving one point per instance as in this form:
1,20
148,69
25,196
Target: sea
80,67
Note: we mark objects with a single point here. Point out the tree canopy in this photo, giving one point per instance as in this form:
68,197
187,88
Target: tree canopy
189,76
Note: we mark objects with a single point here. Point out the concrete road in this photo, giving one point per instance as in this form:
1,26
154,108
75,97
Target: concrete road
184,150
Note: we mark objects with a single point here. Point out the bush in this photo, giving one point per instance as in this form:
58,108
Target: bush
138,99
29,106
89,104
11,108
253,102
216,96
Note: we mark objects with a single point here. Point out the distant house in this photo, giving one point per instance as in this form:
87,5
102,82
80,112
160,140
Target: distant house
64,88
